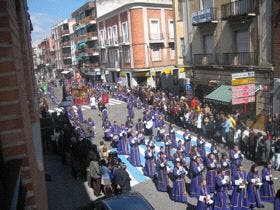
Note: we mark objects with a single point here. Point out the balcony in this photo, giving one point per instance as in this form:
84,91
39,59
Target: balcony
113,65
204,59
66,56
156,37
170,37
64,33
239,9
124,40
65,44
88,20
88,52
208,15
91,36
111,42
238,59
101,44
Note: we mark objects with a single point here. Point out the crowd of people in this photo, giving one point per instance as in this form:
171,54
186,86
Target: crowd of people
212,174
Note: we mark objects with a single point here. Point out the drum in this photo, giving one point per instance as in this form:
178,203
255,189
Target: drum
149,124
162,131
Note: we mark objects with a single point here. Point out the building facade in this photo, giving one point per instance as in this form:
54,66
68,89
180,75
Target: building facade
222,37
22,184
136,41
86,41
62,42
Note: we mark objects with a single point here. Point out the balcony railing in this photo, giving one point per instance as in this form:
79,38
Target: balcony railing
170,37
204,59
156,37
92,35
88,19
65,44
204,16
115,64
124,40
66,56
64,33
239,8
111,42
238,59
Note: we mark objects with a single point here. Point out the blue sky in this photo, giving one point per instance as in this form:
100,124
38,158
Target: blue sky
46,13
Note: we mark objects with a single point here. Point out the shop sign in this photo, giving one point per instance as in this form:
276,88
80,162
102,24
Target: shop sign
244,81
244,100
243,91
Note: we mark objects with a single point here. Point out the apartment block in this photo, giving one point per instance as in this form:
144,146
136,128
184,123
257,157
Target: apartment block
222,37
61,33
86,41
22,180
136,41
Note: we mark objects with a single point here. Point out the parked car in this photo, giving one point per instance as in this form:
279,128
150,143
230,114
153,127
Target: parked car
127,201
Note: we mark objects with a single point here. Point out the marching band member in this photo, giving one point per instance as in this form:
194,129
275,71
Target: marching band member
253,189
211,174
221,195
115,132
172,135
200,143
123,142
168,148
204,201
160,130
148,123
106,125
239,199
196,175
162,182
149,169
104,114
267,189
139,127
177,154
187,142
179,193
129,124
214,149
134,151
130,107
225,166
235,157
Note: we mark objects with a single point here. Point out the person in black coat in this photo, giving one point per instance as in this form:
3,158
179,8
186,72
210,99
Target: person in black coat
121,180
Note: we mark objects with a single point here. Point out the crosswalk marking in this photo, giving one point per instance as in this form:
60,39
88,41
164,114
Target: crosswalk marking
113,102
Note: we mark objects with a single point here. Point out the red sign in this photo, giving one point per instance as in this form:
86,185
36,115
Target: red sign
105,98
245,100
243,91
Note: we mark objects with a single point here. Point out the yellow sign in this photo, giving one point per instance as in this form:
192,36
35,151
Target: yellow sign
244,81
181,70
166,71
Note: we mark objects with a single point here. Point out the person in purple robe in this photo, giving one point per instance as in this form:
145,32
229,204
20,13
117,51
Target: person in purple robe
162,174
187,142
277,201
168,148
225,166
177,154
139,129
134,157
204,200
239,199
221,199
160,129
106,125
129,124
148,123
80,114
211,165
123,141
200,144
235,157
130,107
253,188
215,150
179,193
104,114
149,169
196,170
267,190
172,134
115,132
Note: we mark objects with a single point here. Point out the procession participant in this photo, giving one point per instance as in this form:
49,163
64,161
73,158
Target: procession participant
211,174
179,193
200,143
161,149
235,157
187,142
267,190
172,135
225,166
80,114
204,201
130,107
162,179
277,201
160,130
91,123
134,157
177,154
149,169
221,200
196,174
106,125
139,127
148,123
215,150
168,148
123,141
253,189
92,102
129,124
239,200
115,132
104,114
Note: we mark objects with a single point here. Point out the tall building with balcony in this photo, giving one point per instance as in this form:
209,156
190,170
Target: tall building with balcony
61,32
86,40
136,41
222,37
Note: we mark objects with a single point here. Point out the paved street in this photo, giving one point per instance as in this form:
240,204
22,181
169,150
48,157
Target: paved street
64,192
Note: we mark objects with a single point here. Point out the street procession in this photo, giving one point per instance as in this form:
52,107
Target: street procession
182,156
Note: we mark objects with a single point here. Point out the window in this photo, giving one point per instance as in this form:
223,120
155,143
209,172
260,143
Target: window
172,51
109,35
125,32
114,34
180,9
242,41
182,44
101,37
208,42
156,53
126,54
154,29
103,56
171,29
204,4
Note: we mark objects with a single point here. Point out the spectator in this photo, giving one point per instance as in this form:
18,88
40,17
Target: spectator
121,179
106,178
95,175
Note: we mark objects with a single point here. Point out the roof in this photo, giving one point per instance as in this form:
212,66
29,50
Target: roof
221,95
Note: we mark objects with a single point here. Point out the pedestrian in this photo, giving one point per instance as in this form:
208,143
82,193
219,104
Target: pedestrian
95,175
105,178
123,141
179,193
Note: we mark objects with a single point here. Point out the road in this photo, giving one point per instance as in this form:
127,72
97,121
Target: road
64,192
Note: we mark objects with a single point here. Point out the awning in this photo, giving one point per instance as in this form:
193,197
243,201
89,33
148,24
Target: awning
141,74
166,71
182,70
221,95
65,72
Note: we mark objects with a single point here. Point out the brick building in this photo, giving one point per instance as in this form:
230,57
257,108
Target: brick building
22,181
136,41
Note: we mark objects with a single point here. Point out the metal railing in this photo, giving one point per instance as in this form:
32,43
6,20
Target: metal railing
156,37
124,39
204,59
171,37
238,58
204,16
65,44
64,32
241,7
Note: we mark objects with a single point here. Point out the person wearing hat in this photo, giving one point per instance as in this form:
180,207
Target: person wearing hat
221,199
179,193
